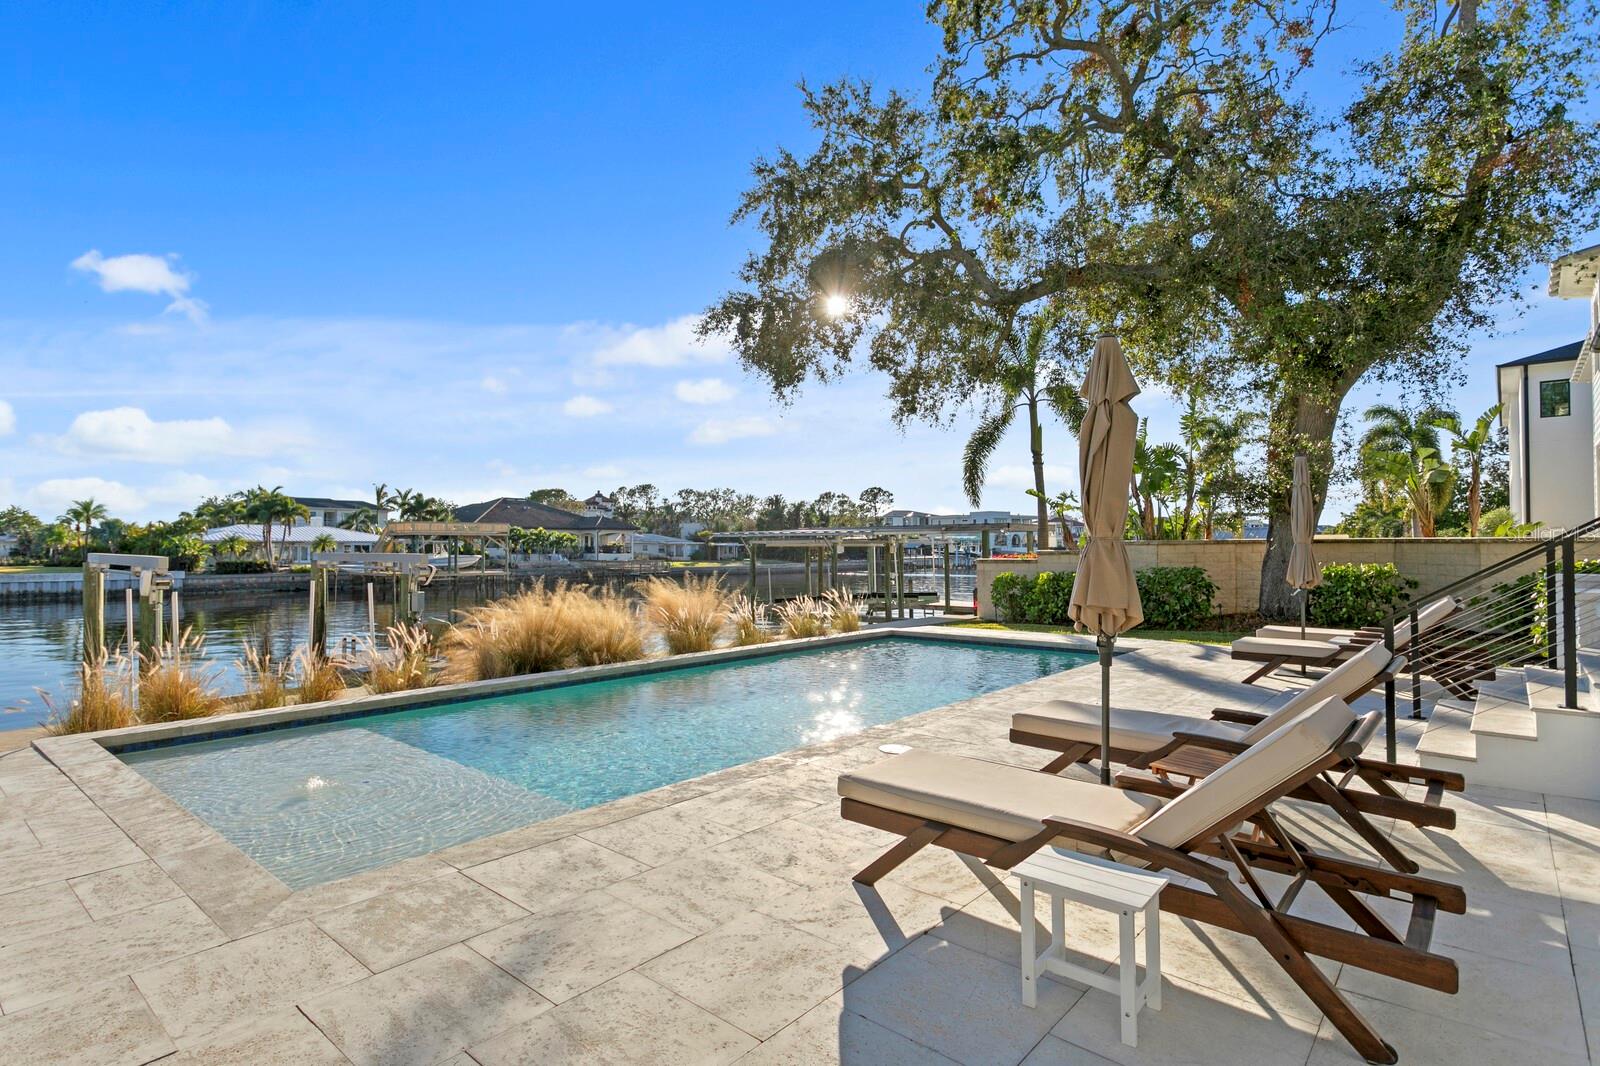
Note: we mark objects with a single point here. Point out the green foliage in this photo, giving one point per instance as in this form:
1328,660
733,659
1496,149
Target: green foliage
1357,594
1176,597
543,541
240,566
1041,601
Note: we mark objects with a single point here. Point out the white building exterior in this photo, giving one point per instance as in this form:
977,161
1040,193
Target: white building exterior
328,512
1548,406
292,544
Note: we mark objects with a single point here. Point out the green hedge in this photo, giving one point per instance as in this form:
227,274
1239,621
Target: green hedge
1174,597
238,566
1358,594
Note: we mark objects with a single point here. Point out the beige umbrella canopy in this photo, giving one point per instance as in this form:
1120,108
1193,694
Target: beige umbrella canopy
1304,573
1105,599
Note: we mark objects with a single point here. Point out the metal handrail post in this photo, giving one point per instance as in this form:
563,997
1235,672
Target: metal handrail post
1388,693
1550,604
1415,647
1569,621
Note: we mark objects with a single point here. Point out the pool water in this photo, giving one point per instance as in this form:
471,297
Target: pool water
319,802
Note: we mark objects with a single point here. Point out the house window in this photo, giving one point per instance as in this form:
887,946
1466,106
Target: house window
1555,398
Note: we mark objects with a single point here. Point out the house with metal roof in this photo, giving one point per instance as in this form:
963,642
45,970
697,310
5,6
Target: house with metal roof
600,536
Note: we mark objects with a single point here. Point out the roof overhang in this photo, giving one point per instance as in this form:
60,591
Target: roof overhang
1573,276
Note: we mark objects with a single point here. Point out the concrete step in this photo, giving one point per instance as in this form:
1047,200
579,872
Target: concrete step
1589,663
1497,714
1547,691
1448,742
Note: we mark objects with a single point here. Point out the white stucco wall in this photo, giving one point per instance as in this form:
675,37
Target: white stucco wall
1561,451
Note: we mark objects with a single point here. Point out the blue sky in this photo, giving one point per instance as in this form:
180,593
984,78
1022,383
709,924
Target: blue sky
453,248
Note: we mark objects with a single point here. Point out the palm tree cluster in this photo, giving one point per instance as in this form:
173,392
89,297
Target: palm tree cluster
1404,470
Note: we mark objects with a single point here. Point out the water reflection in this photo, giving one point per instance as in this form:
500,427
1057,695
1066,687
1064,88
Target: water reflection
40,642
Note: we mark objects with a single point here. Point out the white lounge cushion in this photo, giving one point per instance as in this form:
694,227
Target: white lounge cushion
1264,648
1292,632
1132,729
1002,801
1343,681
1247,778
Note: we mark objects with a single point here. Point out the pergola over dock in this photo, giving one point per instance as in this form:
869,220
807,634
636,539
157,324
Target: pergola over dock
885,548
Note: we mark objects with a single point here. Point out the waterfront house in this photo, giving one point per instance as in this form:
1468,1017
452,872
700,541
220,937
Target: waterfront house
292,544
600,536
330,512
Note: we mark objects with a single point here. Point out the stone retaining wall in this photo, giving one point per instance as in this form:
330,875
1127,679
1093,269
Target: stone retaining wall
1235,565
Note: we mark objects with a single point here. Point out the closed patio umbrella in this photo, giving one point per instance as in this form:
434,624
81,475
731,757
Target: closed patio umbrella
1304,573
1105,599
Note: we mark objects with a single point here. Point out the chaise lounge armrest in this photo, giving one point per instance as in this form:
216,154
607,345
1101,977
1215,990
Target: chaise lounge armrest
1228,714
1226,745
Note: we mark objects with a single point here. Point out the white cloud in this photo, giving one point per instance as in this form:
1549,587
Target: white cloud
8,419
582,406
130,433
704,391
723,430
153,274
173,493
493,384
608,471
672,344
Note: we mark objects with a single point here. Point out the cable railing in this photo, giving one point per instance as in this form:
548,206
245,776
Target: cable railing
1520,611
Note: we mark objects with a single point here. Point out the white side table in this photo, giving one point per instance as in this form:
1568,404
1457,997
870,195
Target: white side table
1111,887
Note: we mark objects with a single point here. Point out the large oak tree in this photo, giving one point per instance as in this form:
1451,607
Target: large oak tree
1158,167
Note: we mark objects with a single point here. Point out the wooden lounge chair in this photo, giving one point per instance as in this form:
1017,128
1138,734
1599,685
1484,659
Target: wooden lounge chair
1190,747
1275,651
1002,814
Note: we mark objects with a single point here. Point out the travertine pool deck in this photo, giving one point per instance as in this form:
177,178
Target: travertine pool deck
714,921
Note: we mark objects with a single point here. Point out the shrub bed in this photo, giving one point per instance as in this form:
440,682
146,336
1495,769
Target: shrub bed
1176,597
238,566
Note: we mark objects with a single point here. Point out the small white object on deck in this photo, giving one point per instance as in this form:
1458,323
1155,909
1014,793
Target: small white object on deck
894,749
1110,886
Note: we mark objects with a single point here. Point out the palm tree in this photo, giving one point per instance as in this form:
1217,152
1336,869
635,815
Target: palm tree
1025,378
1212,443
1471,444
1157,471
215,511
268,506
233,545
83,514
324,542
1400,456
57,537
364,520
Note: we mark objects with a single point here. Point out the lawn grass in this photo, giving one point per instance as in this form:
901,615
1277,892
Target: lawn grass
37,569
1186,636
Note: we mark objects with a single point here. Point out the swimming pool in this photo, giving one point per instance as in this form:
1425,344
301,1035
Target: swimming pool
314,803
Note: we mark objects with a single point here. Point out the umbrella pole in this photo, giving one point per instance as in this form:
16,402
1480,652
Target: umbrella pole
1304,595
1105,643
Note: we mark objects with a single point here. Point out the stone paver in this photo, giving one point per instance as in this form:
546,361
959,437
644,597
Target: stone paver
715,918
423,1010
199,994
629,1019
417,920
560,954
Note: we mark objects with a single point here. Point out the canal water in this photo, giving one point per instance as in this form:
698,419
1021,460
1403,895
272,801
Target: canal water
40,643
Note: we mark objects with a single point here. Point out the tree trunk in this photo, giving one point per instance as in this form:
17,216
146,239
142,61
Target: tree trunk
1474,499
1036,440
1312,420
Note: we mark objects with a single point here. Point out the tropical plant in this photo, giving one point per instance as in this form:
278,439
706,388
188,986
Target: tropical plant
1025,376
844,611
1400,456
102,700
402,663
317,678
1471,444
266,680
172,688
82,516
1157,474
215,511
324,542
268,507
543,541
233,546
688,614
803,616
1212,446
1357,594
1062,505
1176,597
361,520
746,617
